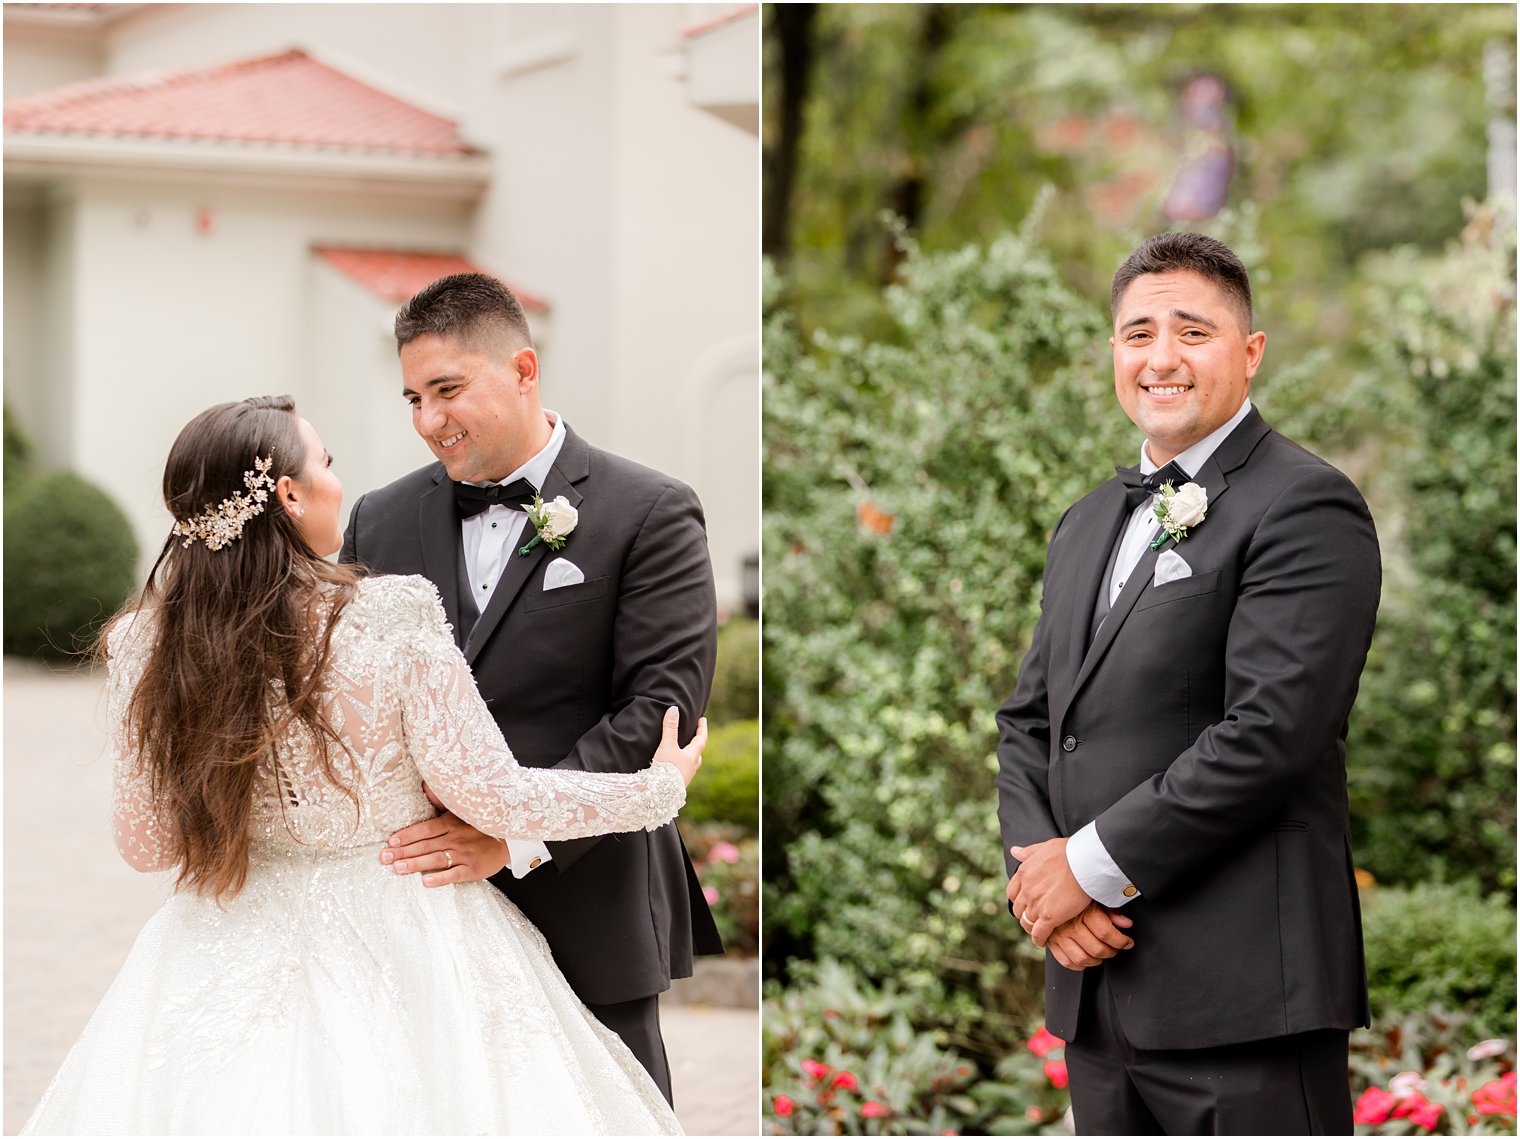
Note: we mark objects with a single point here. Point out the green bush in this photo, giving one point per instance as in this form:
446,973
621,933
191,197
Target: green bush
727,789
736,680
18,448
843,1057
1431,763
1441,946
70,562
728,866
909,491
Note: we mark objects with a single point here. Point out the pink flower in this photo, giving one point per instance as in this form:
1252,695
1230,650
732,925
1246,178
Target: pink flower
1487,1050
873,1110
1043,1042
1497,1097
724,852
846,1080
784,1105
1034,1114
815,1070
1405,1083
1373,1106
1426,1114
711,894
1055,1072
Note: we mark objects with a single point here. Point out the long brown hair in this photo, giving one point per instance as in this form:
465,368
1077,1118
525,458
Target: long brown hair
230,622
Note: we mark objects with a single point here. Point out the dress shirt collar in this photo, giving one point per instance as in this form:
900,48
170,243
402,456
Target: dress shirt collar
537,469
1194,457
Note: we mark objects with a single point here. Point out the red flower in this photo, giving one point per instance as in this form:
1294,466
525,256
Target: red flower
845,1080
1043,1042
815,1070
1373,1106
1055,1071
1034,1114
784,1105
1497,1097
873,1110
1426,1114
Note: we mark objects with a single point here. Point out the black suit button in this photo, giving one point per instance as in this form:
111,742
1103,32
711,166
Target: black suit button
1069,743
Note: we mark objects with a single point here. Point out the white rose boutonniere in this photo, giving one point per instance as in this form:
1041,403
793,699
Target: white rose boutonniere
553,520
1178,510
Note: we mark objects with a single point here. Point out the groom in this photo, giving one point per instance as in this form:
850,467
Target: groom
579,635
1172,779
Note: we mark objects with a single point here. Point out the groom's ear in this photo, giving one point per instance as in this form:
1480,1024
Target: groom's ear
525,360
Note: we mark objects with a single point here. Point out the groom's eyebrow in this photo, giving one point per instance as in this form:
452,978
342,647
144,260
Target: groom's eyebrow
1176,314
433,383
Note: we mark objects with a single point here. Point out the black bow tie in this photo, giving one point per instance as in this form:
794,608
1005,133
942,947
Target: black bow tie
1138,487
473,500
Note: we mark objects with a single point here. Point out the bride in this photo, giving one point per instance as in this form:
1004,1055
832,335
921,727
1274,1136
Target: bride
273,719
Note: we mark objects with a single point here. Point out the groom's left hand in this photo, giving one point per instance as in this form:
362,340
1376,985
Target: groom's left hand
1043,891
445,850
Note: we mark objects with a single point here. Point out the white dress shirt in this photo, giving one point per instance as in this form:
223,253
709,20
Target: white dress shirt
1092,866
490,539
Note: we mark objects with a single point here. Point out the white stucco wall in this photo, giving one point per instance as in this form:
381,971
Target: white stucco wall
172,320
633,212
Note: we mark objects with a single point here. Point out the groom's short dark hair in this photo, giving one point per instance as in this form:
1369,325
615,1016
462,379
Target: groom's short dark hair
472,308
1186,252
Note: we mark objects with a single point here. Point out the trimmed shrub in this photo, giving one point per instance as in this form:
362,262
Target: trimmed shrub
1441,946
70,562
736,680
727,789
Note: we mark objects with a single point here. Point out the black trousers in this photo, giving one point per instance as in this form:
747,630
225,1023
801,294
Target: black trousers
638,1024
1289,1085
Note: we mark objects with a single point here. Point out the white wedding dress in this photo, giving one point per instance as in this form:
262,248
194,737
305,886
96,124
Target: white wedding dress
332,996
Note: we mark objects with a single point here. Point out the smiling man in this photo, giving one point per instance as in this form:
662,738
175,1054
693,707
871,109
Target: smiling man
1171,766
579,637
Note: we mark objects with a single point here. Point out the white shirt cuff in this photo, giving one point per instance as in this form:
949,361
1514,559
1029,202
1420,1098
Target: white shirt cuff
527,855
1096,871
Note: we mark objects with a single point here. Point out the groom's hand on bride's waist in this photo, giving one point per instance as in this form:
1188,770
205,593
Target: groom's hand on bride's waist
445,850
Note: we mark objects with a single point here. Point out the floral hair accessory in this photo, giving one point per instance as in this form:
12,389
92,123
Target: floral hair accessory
223,524
1178,510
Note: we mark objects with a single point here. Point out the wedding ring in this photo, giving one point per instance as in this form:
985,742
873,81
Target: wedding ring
449,855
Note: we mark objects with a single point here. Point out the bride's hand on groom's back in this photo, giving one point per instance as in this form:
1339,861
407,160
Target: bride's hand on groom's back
687,758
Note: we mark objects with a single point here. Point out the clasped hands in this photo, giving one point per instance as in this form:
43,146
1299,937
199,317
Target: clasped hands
1057,913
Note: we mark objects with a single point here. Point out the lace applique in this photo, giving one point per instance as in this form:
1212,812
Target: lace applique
404,703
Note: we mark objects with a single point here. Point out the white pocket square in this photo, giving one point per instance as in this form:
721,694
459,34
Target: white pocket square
1170,567
561,572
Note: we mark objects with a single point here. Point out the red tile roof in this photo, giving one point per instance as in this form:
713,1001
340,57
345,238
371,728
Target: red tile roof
288,98
721,21
396,275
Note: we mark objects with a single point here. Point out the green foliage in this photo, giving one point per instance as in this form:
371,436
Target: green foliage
727,789
1442,946
910,488
70,562
1432,759
728,866
844,1058
18,448
1353,128
736,680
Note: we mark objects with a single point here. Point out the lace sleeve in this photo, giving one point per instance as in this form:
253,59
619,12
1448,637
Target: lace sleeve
457,746
141,837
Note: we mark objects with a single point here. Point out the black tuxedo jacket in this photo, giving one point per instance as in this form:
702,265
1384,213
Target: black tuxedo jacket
580,677
1204,729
